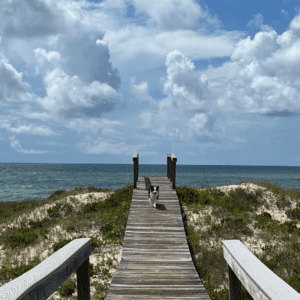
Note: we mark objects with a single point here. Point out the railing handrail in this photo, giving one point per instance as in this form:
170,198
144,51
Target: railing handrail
45,278
171,168
261,283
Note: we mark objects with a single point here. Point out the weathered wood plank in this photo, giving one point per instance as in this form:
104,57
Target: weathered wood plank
156,231
153,265
156,262
158,224
157,292
158,274
157,280
141,245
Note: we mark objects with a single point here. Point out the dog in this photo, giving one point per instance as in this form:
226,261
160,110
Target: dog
153,194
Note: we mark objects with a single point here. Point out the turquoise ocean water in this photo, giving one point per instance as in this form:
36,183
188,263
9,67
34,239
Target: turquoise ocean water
24,181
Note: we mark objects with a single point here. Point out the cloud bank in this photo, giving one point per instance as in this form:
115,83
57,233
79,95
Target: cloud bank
61,50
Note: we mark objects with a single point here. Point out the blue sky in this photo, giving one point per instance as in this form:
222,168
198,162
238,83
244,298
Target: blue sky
214,82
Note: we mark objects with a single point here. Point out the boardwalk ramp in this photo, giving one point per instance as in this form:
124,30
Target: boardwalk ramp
156,261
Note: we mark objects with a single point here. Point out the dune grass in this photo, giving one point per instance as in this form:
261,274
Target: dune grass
109,218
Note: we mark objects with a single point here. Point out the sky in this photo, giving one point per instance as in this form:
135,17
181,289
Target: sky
213,82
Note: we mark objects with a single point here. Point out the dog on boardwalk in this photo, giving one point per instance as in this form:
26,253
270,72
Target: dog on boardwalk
153,194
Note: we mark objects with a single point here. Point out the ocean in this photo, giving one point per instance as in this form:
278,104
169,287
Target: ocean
30,181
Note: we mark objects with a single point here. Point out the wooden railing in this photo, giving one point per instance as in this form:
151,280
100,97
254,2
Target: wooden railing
44,279
171,168
261,283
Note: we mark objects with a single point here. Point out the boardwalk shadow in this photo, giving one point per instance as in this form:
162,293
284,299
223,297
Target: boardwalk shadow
147,183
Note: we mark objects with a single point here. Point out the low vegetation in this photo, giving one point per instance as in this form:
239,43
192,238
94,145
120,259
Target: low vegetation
104,221
237,219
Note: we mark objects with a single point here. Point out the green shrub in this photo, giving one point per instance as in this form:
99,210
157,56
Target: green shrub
58,208
296,248
60,244
70,228
113,230
58,194
189,196
66,289
22,236
109,262
16,271
294,213
289,226
105,274
54,212
95,243
68,209
91,270
35,224
294,281
4,214
38,224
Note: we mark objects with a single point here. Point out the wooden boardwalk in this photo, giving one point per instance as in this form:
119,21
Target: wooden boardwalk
156,261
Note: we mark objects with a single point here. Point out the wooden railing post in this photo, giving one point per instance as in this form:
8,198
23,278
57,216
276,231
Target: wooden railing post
135,169
168,164
83,281
234,286
174,159
171,168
